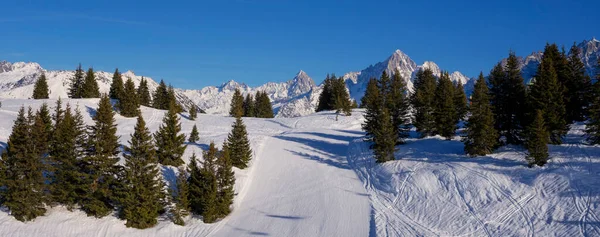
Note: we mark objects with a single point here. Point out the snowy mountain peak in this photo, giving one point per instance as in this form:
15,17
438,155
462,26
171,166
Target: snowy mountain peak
231,85
433,67
459,78
303,79
6,66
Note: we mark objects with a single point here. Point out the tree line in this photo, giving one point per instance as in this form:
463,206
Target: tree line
502,109
55,159
258,106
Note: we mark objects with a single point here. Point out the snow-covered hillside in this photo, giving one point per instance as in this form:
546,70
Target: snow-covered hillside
315,176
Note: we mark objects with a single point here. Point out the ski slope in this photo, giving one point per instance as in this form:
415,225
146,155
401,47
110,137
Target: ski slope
315,176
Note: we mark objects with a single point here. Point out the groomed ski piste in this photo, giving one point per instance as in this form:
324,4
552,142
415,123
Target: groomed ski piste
315,176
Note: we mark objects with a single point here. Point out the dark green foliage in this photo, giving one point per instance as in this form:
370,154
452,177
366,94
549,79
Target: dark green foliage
209,187
22,169
334,96
460,102
193,112
370,92
66,150
169,142
129,105
117,90
90,86
249,110
142,202
263,106
42,131
423,102
592,128
373,103
239,145
325,98
546,95
384,138
77,82
508,96
144,93
481,137
172,99
578,87
160,99
397,104
100,161
195,182
181,197
537,140
194,136
354,105
444,111
237,104
225,181
40,89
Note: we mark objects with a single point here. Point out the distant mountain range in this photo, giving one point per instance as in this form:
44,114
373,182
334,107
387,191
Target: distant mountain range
297,96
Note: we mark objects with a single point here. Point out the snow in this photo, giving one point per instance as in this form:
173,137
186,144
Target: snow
315,176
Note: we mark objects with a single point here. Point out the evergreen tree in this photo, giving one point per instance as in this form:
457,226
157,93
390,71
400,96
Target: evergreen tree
182,203
578,87
169,142
42,131
225,182
160,100
354,105
445,112
537,138
142,202
237,104
460,102
100,161
173,99
384,138
481,137
117,90
263,105
66,150
195,182
90,86
398,106
22,169
373,103
423,101
194,136
546,95
341,98
326,96
143,93
239,145
77,82
497,79
129,105
208,187
249,106
592,126
193,113
40,89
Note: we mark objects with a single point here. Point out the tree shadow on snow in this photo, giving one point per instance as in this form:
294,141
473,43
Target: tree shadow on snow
3,147
333,154
248,232
204,147
91,111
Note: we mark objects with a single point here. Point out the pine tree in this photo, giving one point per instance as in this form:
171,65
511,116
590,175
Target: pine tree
193,113
117,90
225,182
40,89
66,151
173,99
326,96
373,103
460,102
182,203
143,93
77,82
537,138
142,203
239,145
41,134
90,86
423,101
237,104
578,87
249,106
129,105
263,106
384,138
194,136
100,161
209,189
481,137
160,100
195,182
546,95
341,98
445,112
23,191
397,104
354,104
592,126
169,142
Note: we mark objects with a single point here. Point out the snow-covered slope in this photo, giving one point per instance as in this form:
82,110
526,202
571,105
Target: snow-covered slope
17,81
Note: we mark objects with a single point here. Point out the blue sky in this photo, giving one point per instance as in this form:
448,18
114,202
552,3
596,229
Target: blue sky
199,43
